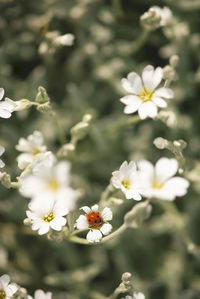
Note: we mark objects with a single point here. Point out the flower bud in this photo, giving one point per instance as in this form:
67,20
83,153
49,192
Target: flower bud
150,20
42,96
174,60
80,130
6,180
160,143
45,108
138,214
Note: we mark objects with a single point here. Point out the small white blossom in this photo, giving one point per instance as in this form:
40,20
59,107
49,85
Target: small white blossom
136,296
46,213
64,40
32,148
127,178
144,96
96,222
49,179
6,289
6,107
160,181
164,13
39,294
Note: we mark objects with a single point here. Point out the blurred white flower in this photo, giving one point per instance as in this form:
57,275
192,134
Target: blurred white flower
64,40
164,13
39,294
31,147
160,181
49,179
144,96
2,150
6,289
46,213
136,296
96,222
127,178
6,107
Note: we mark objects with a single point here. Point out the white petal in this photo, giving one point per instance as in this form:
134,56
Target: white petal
2,150
159,102
133,83
132,194
147,109
81,222
5,279
95,208
4,113
132,102
176,186
44,228
57,223
94,235
24,160
151,77
165,168
86,209
1,93
11,289
106,228
107,214
146,167
164,93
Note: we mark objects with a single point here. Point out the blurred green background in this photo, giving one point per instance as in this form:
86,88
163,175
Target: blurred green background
85,78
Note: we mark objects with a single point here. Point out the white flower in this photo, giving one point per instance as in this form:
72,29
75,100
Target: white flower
127,178
65,40
39,294
160,181
96,222
144,96
49,179
6,289
6,107
136,296
32,148
164,13
45,213
2,150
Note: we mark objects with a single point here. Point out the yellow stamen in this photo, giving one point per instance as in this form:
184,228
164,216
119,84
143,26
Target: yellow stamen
49,217
53,185
146,95
157,185
126,184
36,151
2,294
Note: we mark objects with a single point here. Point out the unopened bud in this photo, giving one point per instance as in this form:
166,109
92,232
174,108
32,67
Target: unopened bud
22,105
45,108
174,60
160,143
80,130
42,96
6,180
150,20
126,276
169,73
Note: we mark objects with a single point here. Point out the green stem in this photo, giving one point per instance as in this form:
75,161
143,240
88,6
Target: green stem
136,45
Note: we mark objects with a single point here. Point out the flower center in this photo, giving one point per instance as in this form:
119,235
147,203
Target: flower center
94,219
157,185
36,151
53,185
49,217
146,95
2,294
126,184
